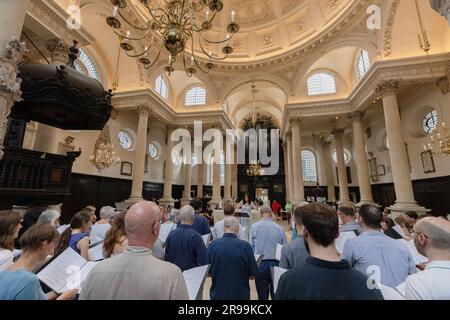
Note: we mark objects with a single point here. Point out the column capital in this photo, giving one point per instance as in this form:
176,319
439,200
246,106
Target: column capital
15,50
444,85
284,145
295,121
338,132
143,109
59,50
288,135
326,143
357,115
389,87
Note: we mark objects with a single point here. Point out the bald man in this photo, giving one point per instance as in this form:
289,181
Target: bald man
432,239
136,274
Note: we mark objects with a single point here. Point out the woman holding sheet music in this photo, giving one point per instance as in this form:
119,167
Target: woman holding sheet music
18,282
77,235
116,237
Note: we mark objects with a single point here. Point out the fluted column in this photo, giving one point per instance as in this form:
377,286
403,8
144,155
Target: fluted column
139,155
299,193
227,182
397,150
168,170
362,164
291,177
12,51
286,168
234,176
329,171
344,197
187,184
216,196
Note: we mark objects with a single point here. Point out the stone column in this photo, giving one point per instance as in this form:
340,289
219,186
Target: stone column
329,171
216,196
299,192
12,51
227,182
234,176
442,7
344,198
286,168
290,167
139,155
397,151
168,170
362,164
200,180
187,184
46,136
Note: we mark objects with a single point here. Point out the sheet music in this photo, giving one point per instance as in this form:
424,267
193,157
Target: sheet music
401,288
57,273
96,251
206,239
258,258
277,273
165,229
278,252
417,257
63,228
16,253
343,237
194,279
399,230
390,293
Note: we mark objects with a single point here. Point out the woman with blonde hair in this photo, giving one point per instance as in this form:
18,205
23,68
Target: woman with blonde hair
50,216
9,230
116,238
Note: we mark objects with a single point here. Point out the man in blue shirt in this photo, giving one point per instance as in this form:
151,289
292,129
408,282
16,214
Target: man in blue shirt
184,245
373,249
294,254
348,217
200,224
264,237
232,264
324,276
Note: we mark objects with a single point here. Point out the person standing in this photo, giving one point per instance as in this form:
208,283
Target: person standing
232,264
10,225
288,210
276,209
136,274
264,236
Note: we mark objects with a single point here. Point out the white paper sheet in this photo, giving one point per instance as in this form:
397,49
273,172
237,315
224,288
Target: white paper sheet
258,258
64,271
165,229
278,252
399,230
17,253
418,258
96,251
343,237
401,288
277,273
206,238
194,279
63,228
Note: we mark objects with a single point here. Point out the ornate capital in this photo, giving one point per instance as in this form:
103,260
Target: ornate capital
15,50
143,110
284,145
388,87
442,6
338,132
444,85
355,115
289,135
295,121
59,50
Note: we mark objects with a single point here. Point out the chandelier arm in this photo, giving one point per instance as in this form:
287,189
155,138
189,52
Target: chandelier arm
216,42
195,60
211,57
140,54
133,39
154,61
131,24
184,64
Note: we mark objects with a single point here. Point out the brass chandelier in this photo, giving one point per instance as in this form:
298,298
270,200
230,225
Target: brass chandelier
439,139
172,24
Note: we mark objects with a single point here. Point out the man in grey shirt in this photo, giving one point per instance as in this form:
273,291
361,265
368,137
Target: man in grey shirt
348,217
136,274
375,254
294,254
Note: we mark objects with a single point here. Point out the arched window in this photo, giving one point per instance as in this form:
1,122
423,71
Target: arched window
321,83
125,140
153,151
309,166
84,64
362,64
161,87
196,97
430,121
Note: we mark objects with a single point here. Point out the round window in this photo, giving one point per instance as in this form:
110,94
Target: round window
153,151
125,140
430,121
346,156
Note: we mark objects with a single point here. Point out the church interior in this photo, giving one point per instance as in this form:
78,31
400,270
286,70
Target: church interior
354,95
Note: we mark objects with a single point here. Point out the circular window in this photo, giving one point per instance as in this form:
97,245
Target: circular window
386,142
125,140
346,156
430,121
153,151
